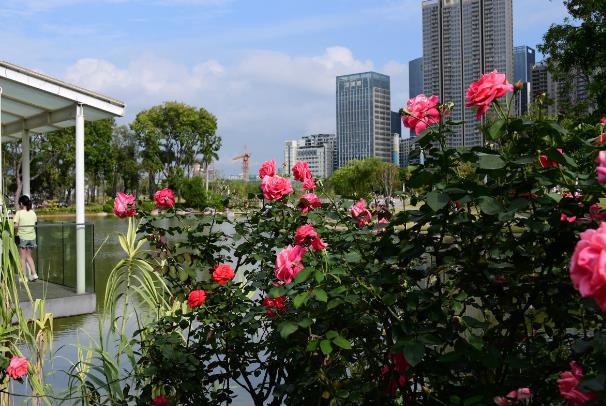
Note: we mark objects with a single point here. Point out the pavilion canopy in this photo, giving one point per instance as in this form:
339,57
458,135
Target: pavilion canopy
35,102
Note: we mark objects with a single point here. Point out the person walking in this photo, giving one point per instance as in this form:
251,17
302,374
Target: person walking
25,228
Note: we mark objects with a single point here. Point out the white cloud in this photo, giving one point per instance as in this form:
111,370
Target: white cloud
262,100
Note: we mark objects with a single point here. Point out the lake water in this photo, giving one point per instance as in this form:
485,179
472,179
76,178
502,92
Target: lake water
69,331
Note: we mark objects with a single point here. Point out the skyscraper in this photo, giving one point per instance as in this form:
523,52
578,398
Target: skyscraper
463,39
396,123
560,94
415,81
524,60
363,117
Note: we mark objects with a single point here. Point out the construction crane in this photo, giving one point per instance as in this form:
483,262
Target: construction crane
245,157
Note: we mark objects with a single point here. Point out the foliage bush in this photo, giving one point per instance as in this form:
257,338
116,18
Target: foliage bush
463,301
458,302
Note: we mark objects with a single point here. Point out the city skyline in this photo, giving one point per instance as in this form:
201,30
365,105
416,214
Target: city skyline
268,72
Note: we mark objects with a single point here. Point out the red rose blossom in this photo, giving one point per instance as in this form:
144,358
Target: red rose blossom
164,198
17,367
196,298
421,112
276,304
275,187
268,168
568,386
306,236
587,267
288,262
308,202
548,163
300,171
361,213
124,205
223,274
489,87
160,400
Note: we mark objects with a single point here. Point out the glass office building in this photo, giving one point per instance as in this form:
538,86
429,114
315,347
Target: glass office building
523,61
363,117
462,39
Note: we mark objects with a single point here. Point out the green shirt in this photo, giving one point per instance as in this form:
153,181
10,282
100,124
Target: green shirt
26,220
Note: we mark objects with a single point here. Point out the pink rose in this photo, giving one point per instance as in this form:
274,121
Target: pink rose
361,213
421,112
268,168
601,168
17,367
159,401
223,274
301,171
164,198
124,205
568,386
275,187
274,304
548,163
308,202
306,236
513,396
603,120
288,262
482,93
564,217
587,267
309,184
196,298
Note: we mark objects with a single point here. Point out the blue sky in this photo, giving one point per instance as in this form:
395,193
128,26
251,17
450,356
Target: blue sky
265,68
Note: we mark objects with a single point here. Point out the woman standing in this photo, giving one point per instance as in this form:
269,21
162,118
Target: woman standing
25,226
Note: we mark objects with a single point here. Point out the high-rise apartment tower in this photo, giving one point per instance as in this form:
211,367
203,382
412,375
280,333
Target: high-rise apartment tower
363,117
523,61
462,39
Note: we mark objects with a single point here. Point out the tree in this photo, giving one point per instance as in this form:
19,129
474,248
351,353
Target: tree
171,136
98,159
360,178
126,165
574,49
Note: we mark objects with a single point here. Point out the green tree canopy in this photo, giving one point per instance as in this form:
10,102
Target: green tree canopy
360,178
172,136
577,47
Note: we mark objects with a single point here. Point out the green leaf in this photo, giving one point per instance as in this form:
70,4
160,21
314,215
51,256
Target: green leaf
300,299
342,342
491,162
277,291
413,352
476,342
319,276
555,196
437,200
325,347
303,275
305,323
495,129
353,257
312,345
330,334
321,295
490,205
286,328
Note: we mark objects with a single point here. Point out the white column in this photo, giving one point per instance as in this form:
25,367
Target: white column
1,169
80,230
25,159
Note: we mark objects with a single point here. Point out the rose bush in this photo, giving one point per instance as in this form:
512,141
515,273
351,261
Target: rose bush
468,297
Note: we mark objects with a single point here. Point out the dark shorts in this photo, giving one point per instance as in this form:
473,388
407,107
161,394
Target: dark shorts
27,243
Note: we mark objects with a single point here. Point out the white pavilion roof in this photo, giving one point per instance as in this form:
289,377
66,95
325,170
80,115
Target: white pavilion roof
39,103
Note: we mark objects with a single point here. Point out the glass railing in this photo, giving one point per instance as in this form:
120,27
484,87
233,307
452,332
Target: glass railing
55,254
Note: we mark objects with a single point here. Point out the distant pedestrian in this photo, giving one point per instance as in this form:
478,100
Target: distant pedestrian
25,228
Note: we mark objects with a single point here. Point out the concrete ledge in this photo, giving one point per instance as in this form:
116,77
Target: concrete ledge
65,306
